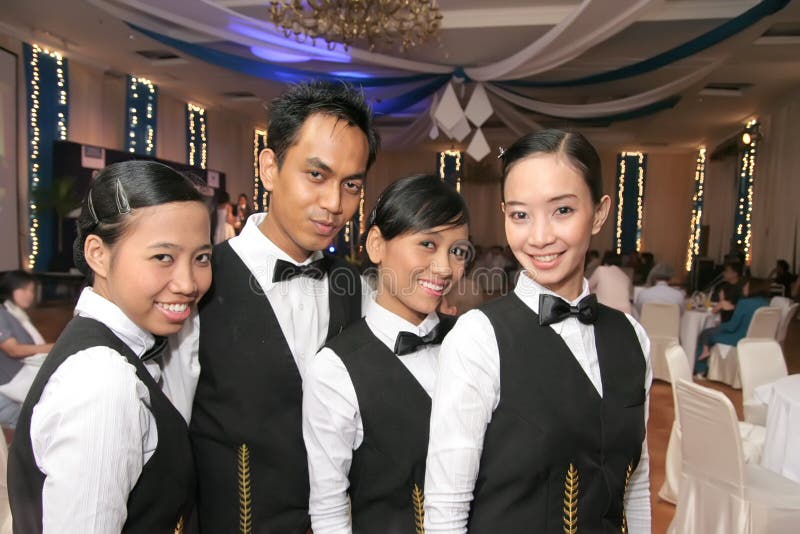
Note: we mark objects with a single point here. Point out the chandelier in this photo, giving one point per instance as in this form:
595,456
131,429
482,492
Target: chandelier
381,23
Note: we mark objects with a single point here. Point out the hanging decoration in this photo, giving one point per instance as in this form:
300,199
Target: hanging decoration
140,128
48,116
260,194
196,140
744,203
631,168
693,248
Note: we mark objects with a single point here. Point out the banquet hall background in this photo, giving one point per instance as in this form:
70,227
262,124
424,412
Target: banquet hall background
692,104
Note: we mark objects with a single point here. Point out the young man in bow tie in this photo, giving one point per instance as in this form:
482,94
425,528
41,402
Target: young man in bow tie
274,302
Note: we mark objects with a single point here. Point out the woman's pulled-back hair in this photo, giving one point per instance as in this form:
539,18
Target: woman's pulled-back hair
577,150
118,190
414,204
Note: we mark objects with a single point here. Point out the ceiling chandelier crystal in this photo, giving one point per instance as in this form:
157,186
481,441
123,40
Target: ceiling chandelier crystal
379,23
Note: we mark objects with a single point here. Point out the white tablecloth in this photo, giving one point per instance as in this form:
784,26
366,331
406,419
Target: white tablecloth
692,323
782,445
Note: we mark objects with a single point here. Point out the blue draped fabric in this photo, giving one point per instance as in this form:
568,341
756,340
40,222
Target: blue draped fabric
724,31
629,182
49,104
141,101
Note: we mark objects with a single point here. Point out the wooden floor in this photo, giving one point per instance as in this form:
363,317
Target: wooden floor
52,319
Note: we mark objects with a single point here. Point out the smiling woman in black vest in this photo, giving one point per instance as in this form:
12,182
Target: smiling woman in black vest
366,396
102,443
538,417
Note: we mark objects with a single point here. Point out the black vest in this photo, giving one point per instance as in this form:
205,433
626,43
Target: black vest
247,418
387,475
557,457
162,498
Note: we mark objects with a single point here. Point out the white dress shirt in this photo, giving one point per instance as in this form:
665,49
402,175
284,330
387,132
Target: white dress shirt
92,430
466,395
332,426
300,304
660,292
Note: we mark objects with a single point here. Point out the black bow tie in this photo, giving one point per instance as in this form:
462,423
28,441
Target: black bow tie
407,342
285,270
553,309
156,350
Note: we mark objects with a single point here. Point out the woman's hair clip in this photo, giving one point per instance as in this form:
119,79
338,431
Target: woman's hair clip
500,152
120,198
90,206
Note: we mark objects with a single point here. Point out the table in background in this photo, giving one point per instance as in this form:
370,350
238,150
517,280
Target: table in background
782,445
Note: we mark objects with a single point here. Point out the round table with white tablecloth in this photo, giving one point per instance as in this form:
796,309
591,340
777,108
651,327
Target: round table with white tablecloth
782,445
692,323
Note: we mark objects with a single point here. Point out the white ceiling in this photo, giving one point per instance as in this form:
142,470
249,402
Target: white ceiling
473,32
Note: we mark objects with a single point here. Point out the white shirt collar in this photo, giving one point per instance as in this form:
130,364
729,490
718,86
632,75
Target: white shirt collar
93,306
386,325
261,252
528,292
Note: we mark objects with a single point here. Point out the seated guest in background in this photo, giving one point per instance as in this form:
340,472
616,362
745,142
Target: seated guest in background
643,276
783,276
732,331
223,226
592,263
611,284
661,274
18,337
728,293
243,211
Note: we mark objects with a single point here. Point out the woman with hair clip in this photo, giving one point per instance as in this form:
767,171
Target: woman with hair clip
102,442
367,394
539,413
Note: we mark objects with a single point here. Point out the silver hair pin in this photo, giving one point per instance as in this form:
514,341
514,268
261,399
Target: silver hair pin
500,152
123,206
90,206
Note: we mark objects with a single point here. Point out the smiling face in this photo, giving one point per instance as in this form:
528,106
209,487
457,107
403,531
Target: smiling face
159,268
549,220
415,270
317,188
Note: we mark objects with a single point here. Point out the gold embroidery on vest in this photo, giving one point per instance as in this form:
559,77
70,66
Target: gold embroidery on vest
628,473
179,526
418,498
243,468
571,501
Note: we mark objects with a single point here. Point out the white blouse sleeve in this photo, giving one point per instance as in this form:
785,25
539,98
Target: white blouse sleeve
331,424
637,498
467,392
90,431
181,366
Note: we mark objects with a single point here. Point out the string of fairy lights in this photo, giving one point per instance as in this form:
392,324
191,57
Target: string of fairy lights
35,133
621,176
197,141
693,248
744,202
457,159
259,142
141,101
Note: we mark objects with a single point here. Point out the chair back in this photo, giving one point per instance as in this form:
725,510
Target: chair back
678,368
760,362
5,508
787,317
661,319
765,323
711,445
780,302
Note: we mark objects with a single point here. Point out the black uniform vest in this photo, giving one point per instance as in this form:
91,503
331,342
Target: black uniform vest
557,457
162,498
387,475
246,423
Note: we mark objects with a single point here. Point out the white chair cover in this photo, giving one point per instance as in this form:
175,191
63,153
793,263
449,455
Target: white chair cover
787,316
723,364
752,436
5,508
662,322
760,362
719,493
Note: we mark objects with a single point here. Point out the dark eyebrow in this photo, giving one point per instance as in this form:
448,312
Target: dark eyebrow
562,197
319,164
514,203
165,245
